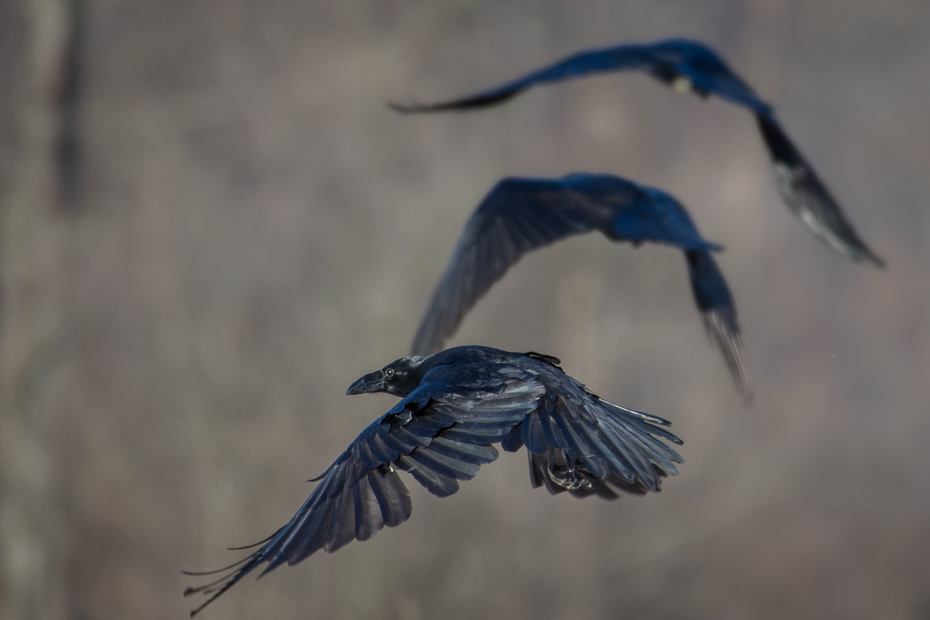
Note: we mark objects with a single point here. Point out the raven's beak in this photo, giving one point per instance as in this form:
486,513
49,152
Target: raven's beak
372,382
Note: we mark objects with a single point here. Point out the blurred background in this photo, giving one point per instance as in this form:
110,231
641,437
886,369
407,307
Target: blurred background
210,224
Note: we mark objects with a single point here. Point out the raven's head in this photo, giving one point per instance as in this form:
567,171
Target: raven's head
398,378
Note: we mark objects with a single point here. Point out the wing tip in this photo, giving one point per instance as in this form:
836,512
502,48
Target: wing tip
872,258
415,107
722,327
411,108
783,152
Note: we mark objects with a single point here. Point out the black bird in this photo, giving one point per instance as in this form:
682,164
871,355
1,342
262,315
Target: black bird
456,405
690,66
522,214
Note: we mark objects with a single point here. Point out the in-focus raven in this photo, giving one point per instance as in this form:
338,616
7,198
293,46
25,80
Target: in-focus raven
691,66
522,214
456,405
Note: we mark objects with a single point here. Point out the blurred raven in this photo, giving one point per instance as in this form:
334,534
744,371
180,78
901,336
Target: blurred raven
692,67
522,214
456,405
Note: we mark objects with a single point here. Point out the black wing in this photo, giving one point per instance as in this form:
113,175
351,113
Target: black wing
579,442
714,301
447,440
711,293
516,217
521,215
618,58
808,197
686,65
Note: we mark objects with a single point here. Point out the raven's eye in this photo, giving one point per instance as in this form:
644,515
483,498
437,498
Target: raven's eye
388,373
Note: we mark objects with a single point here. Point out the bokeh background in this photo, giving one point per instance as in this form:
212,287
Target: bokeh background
210,224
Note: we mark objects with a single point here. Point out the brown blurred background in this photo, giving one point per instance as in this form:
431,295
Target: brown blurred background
210,224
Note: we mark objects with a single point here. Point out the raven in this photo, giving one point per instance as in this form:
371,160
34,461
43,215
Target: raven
455,405
520,215
691,67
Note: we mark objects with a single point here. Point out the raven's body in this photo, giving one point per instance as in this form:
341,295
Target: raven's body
455,405
690,66
520,215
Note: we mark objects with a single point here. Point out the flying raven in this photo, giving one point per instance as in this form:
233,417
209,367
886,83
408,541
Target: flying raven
455,405
522,214
690,66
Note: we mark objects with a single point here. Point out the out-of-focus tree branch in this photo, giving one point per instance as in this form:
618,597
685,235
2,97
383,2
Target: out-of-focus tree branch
34,48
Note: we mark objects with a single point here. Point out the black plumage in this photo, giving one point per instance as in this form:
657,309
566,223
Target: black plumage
691,66
520,215
455,406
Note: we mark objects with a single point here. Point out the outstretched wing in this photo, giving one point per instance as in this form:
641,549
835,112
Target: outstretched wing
583,441
684,64
714,301
808,197
437,435
521,215
711,293
618,58
516,217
